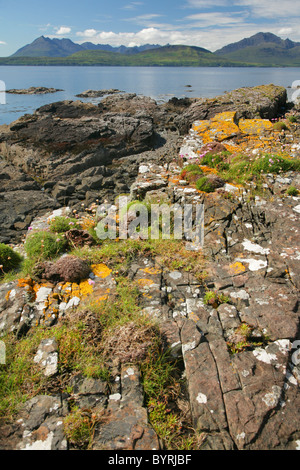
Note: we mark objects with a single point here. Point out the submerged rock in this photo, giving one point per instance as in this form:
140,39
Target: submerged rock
33,91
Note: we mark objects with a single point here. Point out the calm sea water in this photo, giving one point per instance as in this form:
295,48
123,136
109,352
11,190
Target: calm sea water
160,83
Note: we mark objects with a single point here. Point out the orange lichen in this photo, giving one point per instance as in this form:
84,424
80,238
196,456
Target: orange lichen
7,295
226,116
85,288
28,282
255,126
101,270
237,268
145,283
151,271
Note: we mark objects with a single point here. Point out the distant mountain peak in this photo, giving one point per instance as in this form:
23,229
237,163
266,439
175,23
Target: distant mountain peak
63,47
256,40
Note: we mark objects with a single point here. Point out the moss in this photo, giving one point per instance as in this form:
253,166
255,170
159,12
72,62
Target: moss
9,259
280,126
78,427
203,184
292,191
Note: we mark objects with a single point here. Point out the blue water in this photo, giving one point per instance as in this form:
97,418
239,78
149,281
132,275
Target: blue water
160,83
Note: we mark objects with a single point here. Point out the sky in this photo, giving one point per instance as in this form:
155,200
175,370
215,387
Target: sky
211,24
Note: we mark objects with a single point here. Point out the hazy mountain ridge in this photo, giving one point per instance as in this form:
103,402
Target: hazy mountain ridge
262,49
47,47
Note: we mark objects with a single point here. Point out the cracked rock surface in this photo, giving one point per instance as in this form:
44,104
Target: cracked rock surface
239,351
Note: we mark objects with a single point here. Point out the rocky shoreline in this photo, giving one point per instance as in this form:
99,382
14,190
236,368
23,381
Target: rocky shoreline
42,154
231,325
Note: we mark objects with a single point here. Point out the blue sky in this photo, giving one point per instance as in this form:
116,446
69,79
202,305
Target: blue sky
203,23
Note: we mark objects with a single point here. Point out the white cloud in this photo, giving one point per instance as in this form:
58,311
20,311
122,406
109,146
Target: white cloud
211,24
271,9
285,31
206,4
216,19
132,5
3,43
63,30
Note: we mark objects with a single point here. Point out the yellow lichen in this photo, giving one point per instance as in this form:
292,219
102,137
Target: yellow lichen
255,126
7,295
85,288
237,267
145,283
101,270
151,271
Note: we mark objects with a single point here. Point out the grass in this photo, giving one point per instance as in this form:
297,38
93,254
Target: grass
78,428
292,191
63,224
44,245
118,255
244,339
241,168
9,259
97,334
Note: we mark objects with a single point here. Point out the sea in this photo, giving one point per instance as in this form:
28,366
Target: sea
159,83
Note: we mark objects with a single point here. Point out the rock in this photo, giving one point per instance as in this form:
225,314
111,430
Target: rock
16,214
88,392
242,390
33,91
97,93
265,101
47,357
125,423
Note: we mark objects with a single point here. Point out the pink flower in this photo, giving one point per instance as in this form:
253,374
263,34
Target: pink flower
91,282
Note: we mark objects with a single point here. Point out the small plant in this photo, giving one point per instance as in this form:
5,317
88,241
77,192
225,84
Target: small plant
44,245
166,423
215,160
9,259
244,338
215,299
292,191
293,119
280,126
190,172
78,427
63,224
203,184
274,164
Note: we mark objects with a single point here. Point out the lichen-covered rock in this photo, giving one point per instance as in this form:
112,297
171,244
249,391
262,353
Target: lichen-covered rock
265,101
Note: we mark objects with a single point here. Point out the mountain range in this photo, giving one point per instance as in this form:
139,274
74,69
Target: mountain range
46,47
262,49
